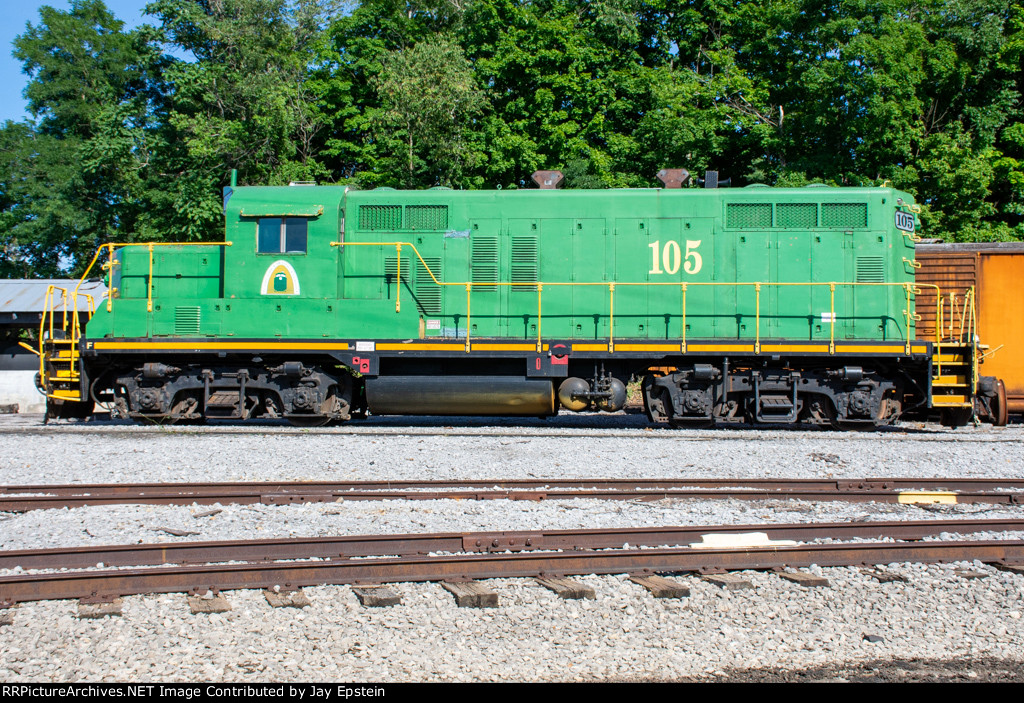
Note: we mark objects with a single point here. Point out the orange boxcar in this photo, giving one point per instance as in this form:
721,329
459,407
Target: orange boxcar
996,273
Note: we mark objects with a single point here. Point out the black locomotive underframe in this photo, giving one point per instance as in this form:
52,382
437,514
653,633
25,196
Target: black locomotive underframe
315,385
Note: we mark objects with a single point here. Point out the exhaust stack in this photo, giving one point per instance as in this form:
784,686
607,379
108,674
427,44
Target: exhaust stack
548,180
673,177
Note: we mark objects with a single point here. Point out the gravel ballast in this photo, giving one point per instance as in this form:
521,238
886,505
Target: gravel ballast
624,634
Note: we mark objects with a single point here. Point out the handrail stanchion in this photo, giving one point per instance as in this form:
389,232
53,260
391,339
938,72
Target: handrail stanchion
398,286
832,318
149,286
42,333
611,318
469,288
64,309
540,288
110,279
682,345
757,318
906,287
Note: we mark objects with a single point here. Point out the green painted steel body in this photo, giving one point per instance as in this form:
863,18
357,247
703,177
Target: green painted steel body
647,242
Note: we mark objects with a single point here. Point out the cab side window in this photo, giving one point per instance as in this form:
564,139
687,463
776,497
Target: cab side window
282,235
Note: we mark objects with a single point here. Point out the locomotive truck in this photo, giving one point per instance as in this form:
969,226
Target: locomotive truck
325,303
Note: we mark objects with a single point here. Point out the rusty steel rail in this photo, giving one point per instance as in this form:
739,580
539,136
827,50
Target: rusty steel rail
297,574
33,497
347,547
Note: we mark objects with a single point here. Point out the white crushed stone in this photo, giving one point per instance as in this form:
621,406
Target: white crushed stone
532,635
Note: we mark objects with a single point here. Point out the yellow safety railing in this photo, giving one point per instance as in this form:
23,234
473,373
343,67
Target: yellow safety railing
109,248
74,332
911,289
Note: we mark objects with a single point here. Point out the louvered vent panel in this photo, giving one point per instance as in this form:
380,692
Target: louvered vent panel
844,215
380,217
484,263
186,320
748,215
428,293
525,264
796,215
426,217
391,270
870,269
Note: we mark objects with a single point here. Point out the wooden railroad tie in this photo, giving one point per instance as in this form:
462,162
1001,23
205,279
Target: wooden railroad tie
970,574
661,587
376,596
730,582
567,588
90,609
471,594
286,599
208,603
805,579
884,575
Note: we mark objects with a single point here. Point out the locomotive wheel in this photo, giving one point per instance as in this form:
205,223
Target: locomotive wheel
1000,413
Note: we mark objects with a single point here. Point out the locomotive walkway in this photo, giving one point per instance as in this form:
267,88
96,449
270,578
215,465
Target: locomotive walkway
885,490
460,557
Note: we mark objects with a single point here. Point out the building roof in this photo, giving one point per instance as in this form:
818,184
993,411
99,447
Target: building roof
22,300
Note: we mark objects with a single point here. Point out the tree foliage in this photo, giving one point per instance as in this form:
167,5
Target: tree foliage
133,132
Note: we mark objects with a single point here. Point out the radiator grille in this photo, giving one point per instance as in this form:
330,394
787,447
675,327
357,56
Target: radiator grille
844,215
748,215
426,217
797,215
380,217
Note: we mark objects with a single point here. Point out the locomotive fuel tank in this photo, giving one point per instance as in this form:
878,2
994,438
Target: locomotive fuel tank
455,395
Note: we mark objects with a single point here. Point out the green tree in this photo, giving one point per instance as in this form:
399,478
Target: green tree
348,70
75,177
242,100
429,105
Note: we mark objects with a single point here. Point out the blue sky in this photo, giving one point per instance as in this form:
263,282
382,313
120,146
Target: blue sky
16,13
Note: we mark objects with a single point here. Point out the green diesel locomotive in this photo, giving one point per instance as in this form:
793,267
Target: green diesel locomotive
324,303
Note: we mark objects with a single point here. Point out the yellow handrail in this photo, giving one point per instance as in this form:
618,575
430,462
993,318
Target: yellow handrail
75,328
910,288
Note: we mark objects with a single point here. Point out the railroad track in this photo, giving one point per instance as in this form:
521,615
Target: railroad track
524,430
889,490
290,564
